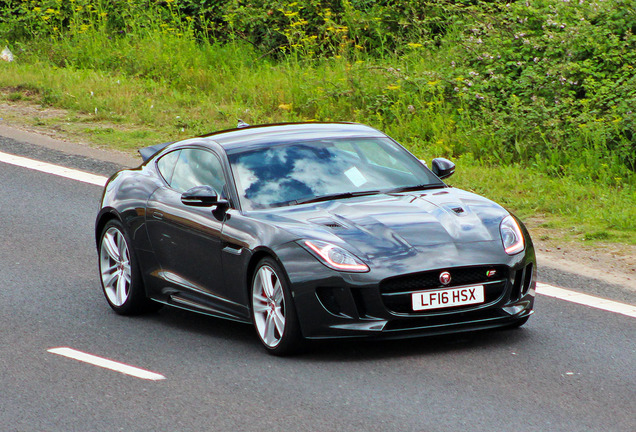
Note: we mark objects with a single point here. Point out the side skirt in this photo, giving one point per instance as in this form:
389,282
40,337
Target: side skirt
192,306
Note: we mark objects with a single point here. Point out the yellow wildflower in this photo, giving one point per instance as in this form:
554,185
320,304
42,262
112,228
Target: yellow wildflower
286,107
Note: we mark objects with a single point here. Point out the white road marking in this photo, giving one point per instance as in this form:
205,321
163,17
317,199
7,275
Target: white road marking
106,364
586,299
53,169
543,289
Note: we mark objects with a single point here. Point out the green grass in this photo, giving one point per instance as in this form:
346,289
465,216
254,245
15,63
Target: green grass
134,112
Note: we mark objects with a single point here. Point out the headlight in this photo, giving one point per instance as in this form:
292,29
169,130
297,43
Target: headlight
511,236
334,256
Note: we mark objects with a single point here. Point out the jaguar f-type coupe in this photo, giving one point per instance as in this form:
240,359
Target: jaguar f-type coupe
311,231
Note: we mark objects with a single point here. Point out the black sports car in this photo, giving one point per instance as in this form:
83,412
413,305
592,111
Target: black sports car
310,231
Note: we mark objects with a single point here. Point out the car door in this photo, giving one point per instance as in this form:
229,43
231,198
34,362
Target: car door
186,239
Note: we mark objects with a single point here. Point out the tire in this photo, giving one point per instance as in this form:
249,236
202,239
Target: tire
273,312
120,277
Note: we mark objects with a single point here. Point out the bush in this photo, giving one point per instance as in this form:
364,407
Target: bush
554,82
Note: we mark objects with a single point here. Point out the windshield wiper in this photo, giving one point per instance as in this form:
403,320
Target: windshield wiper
414,188
336,196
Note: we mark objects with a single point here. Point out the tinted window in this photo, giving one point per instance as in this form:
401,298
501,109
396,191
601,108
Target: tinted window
196,167
286,173
167,163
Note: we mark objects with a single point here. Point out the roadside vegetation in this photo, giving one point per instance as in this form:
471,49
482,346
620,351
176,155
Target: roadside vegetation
534,100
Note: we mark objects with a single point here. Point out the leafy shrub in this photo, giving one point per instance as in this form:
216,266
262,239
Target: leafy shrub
554,83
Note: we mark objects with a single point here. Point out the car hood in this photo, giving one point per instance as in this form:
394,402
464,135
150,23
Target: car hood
390,225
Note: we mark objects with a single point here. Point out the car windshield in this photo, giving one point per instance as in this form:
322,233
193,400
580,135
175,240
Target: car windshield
295,173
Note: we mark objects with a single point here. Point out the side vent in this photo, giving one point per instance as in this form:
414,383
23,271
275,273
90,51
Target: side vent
527,278
522,282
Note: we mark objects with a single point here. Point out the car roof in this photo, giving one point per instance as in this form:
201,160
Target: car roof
256,136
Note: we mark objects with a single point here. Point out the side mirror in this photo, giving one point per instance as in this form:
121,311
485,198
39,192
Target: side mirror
443,168
202,196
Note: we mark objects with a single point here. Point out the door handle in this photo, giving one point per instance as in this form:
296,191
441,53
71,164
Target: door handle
157,215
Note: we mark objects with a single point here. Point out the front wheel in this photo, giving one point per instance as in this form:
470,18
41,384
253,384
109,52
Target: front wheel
273,312
121,280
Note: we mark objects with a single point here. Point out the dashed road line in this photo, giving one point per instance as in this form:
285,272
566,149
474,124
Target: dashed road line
586,299
106,363
53,169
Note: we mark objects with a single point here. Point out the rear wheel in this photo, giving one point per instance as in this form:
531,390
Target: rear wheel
120,276
273,312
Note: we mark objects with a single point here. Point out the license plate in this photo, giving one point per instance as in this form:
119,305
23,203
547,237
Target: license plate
448,297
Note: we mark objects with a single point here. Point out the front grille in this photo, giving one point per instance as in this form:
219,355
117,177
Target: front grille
430,279
396,292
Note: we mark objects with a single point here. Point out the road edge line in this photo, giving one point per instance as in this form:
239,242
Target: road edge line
586,299
57,170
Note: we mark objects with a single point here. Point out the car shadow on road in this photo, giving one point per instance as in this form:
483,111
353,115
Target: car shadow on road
202,325
361,349
243,337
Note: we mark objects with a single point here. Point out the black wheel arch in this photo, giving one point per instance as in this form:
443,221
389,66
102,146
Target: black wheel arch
257,256
104,216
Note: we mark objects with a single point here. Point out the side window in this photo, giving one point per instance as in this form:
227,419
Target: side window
197,167
166,165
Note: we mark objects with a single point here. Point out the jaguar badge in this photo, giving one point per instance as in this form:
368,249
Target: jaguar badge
445,278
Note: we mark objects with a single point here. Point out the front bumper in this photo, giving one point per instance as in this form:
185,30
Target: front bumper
331,304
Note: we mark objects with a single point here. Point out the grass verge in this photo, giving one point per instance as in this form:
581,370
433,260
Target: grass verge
125,112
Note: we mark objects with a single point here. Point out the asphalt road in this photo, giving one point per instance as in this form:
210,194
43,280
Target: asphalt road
571,368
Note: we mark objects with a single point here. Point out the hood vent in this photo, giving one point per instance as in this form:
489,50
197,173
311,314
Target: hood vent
329,223
333,225
458,210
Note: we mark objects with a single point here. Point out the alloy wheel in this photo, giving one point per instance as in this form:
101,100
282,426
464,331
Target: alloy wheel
114,260
268,301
